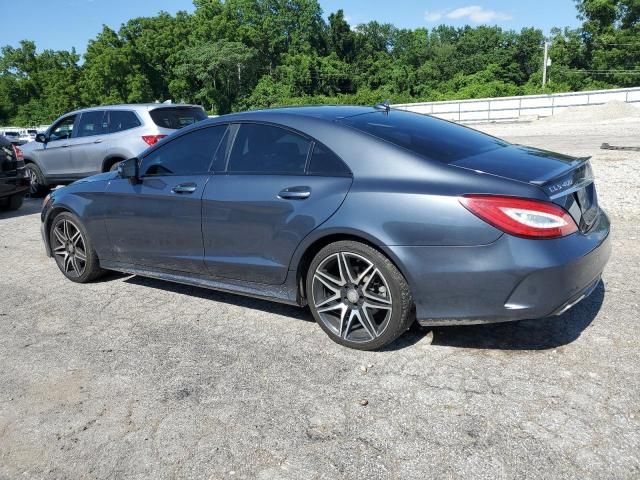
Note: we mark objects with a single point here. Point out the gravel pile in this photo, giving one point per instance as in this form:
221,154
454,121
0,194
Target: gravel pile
613,110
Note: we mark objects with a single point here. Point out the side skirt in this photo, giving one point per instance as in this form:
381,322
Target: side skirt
285,293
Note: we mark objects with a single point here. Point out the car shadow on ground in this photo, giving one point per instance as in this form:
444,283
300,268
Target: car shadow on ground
230,298
539,334
29,207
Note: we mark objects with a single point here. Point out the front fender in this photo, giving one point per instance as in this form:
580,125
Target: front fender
82,199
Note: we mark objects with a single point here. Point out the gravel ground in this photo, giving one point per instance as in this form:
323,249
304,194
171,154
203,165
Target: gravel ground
137,378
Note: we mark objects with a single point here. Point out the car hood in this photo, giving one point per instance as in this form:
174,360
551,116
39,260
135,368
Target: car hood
97,178
524,164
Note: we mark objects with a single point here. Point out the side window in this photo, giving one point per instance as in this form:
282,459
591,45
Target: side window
267,149
219,160
189,154
325,162
63,129
120,120
91,123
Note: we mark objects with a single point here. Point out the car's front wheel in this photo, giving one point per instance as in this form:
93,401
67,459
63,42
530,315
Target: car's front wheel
358,296
73,250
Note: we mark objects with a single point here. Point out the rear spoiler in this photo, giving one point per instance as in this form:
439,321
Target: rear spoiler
578,176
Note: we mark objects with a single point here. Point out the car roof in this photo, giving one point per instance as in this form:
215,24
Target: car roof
325,112
134,107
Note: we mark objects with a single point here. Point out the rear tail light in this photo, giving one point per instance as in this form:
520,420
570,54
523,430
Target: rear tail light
152,139
521,217
18,152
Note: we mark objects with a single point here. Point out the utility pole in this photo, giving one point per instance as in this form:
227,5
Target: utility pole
546,61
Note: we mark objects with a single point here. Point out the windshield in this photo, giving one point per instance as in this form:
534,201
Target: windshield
175,118
427,136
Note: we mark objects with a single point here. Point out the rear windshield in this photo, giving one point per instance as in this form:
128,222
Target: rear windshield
176,118
427,136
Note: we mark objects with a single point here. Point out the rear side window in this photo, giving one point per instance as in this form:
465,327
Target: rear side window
429,137
325,162
92,123
268,150
175,118
120,120
190,154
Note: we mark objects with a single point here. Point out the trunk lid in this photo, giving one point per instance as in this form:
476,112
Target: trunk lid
567,181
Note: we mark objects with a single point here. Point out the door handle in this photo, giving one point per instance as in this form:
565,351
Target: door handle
184,188
295,193
98,141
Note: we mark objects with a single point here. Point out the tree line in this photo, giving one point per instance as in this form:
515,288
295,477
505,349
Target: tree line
245,54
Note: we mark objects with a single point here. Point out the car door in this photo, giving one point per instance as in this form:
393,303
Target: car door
54,156
259,206
87,147
157,221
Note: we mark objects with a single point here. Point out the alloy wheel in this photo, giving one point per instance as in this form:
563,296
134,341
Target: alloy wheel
352,297
33,181
69,248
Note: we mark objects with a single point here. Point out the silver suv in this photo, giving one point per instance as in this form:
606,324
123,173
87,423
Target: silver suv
95,140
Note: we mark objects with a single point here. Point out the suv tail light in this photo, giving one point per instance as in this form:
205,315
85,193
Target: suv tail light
18,152
152,139
521,217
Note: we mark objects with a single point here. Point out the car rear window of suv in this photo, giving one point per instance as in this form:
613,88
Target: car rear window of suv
176,118
427,136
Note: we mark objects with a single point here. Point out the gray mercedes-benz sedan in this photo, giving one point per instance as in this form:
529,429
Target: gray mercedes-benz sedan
371,216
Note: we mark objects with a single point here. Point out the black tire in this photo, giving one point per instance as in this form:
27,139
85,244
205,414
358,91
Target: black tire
15,202
383,272
79,271
39,187
114,166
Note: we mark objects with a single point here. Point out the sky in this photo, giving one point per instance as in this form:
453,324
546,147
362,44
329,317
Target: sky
73,22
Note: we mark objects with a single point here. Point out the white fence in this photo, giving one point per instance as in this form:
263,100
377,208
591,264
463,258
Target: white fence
513,108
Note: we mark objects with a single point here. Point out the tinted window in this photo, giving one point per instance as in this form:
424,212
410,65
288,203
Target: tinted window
91,123
176,118
266,149
63,129
427,136
325,162
120,120
189,154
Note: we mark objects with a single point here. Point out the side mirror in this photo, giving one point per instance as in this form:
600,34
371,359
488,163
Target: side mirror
41,138
129,169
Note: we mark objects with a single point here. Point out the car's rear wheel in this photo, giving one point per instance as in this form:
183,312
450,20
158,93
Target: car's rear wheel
37,186
15,202
358,296
114,166
72,249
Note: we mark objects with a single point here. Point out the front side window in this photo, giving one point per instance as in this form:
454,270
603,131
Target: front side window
120,120
91,123
63,129
189,154
268,150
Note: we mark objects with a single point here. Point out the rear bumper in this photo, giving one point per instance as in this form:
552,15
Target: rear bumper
10,186
510,279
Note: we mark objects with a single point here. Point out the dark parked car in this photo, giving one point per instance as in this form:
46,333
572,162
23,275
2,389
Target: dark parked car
14,183
365,214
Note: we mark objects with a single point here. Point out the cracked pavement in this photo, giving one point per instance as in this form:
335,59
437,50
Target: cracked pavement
137,378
